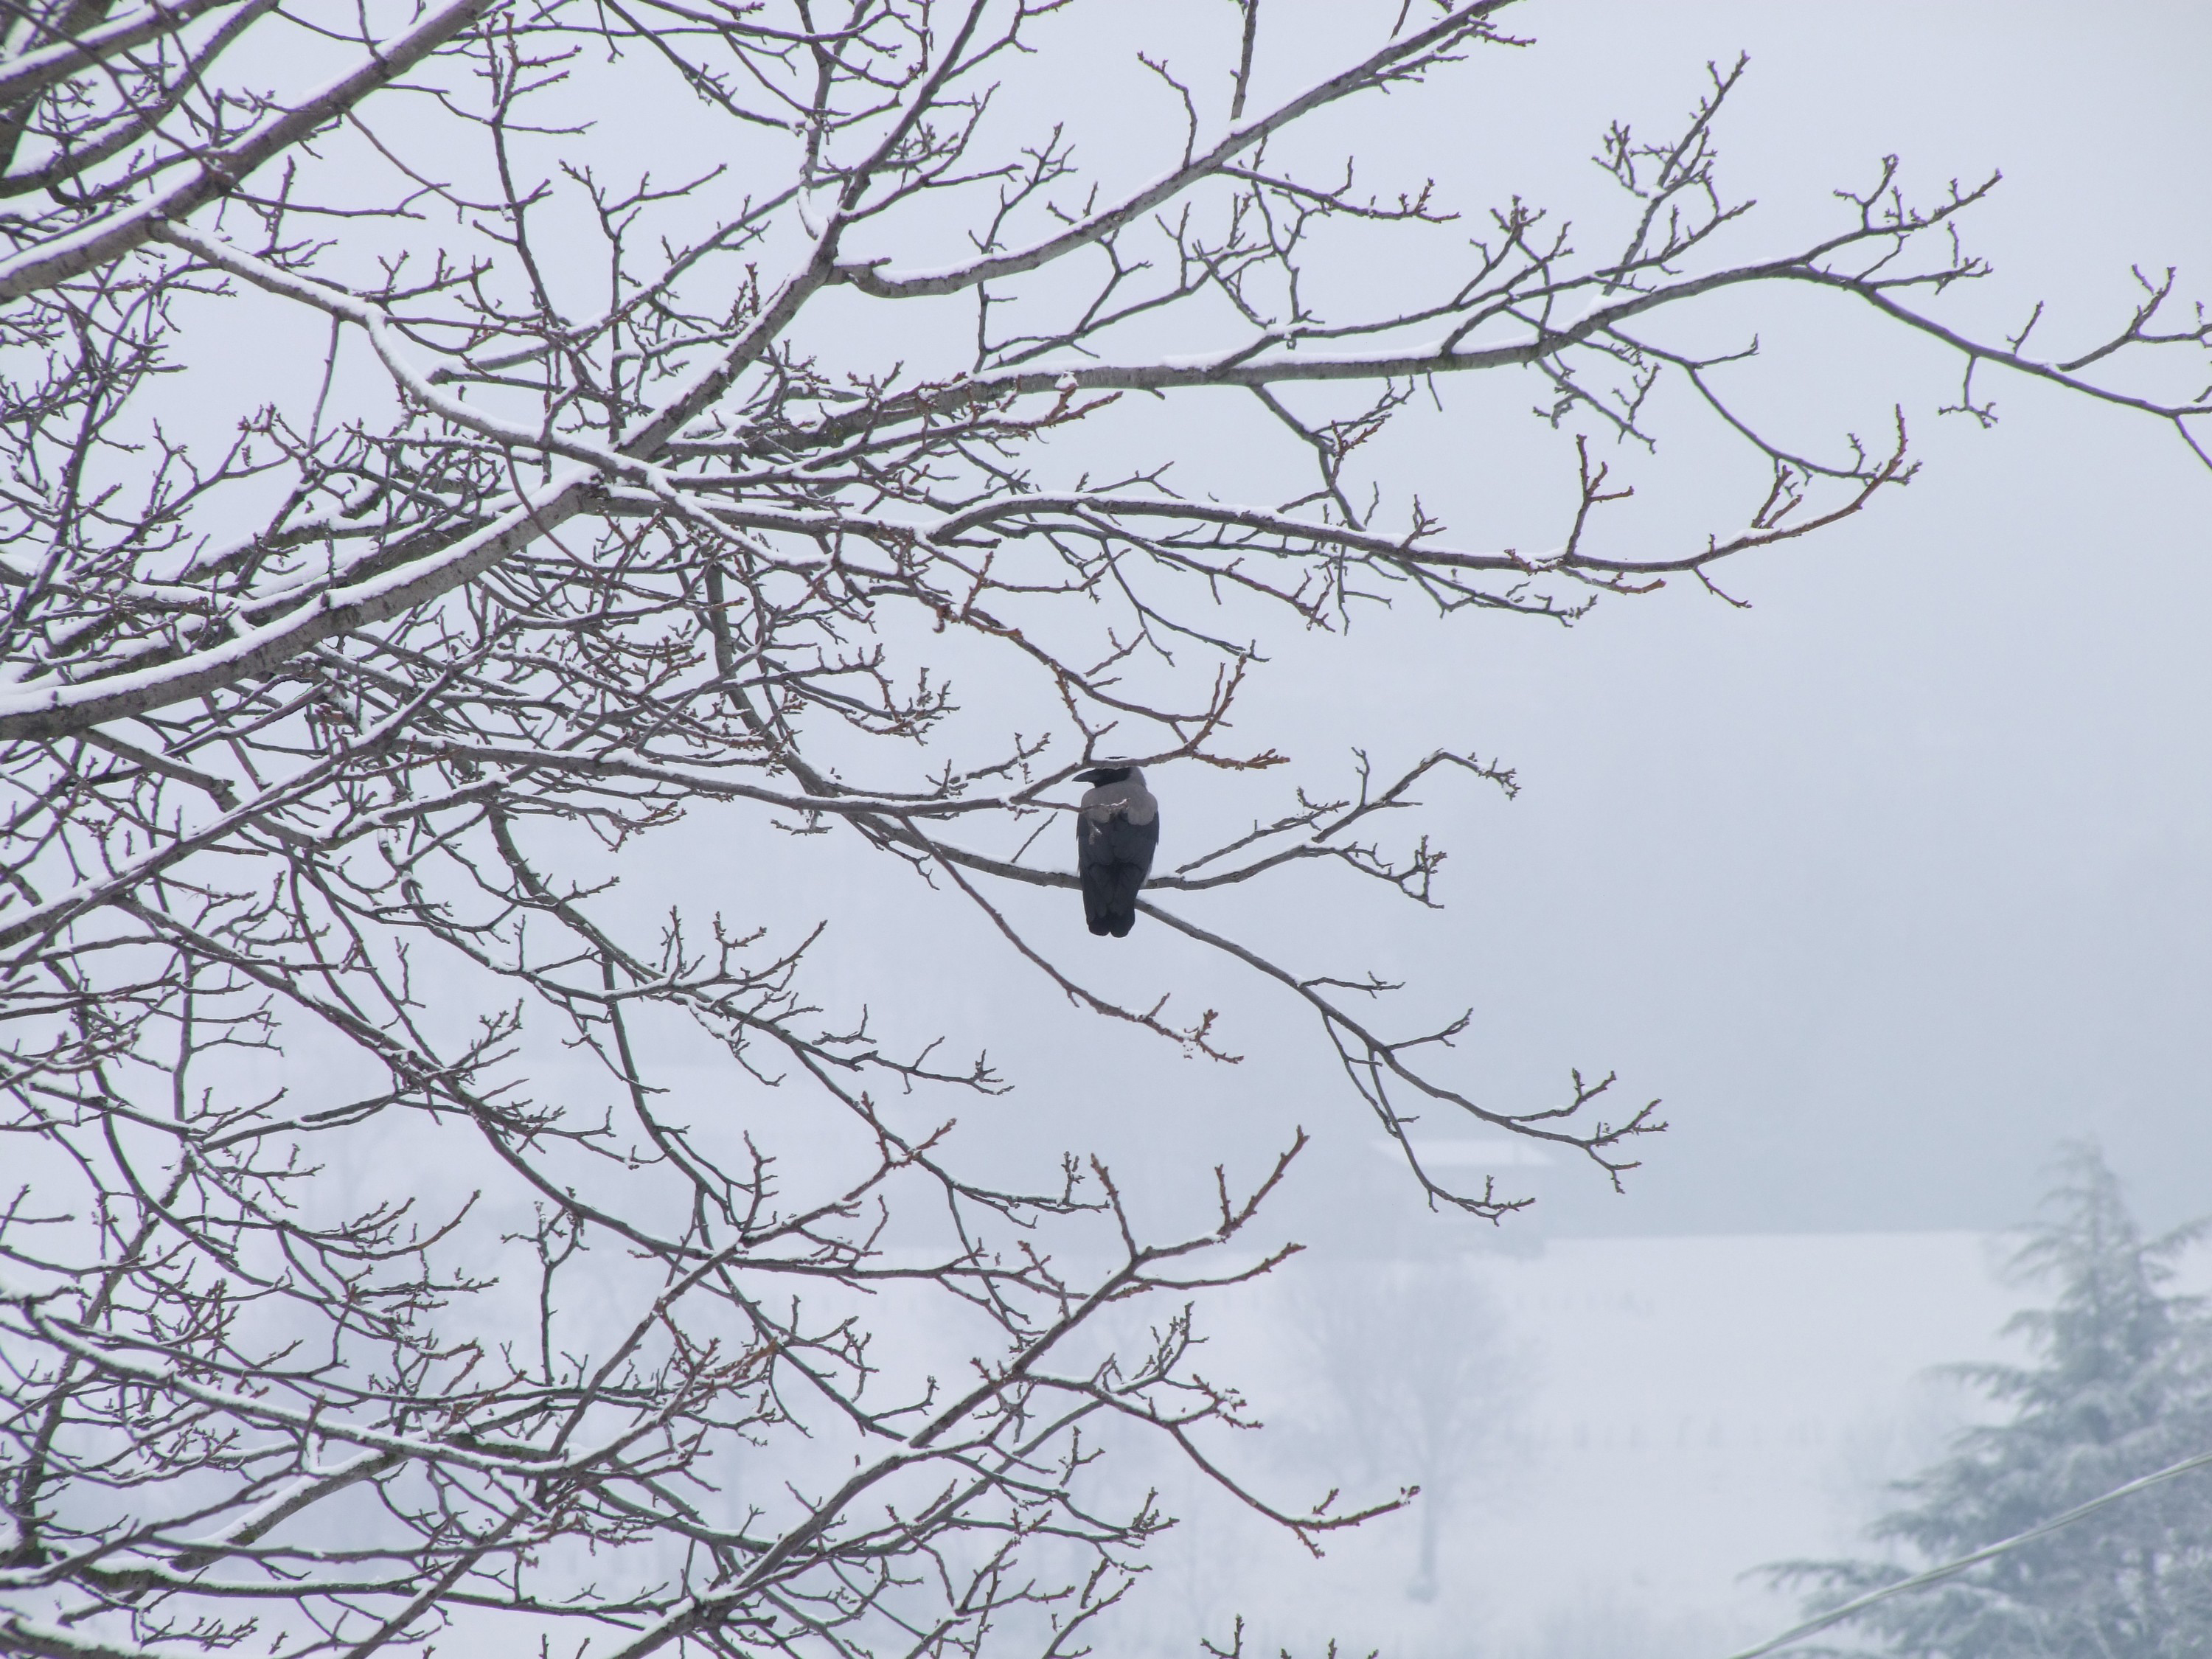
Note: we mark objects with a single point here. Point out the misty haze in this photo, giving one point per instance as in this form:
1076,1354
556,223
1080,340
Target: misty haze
995,830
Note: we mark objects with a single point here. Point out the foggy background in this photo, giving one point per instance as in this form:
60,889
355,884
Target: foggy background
1887,884
1896,879
1893,881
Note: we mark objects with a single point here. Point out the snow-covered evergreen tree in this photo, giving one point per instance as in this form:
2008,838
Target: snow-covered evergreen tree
2120,1386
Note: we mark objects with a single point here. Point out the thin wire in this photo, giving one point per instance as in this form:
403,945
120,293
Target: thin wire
1949,1568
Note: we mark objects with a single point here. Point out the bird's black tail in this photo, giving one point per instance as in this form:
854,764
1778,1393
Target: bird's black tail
1109,897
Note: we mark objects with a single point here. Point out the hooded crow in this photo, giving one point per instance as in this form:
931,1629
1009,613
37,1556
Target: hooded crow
1116,830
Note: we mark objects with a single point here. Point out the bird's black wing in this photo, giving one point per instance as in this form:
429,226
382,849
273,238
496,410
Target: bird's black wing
1134,844
1112,860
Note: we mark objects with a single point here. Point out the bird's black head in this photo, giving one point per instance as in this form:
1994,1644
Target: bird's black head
1105,775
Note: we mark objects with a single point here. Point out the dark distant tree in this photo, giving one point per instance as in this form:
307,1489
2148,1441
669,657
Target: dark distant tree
444,446
1419,1378
2120,1387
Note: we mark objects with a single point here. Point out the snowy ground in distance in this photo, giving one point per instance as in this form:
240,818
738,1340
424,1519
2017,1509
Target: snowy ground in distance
1687,1408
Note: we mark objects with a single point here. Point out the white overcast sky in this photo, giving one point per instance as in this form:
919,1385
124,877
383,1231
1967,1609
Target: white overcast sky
1894,880
1885,884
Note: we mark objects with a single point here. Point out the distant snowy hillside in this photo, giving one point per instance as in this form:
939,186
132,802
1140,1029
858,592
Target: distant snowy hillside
1668,1414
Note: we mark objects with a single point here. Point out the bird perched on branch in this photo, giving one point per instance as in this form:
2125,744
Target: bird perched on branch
1116,828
